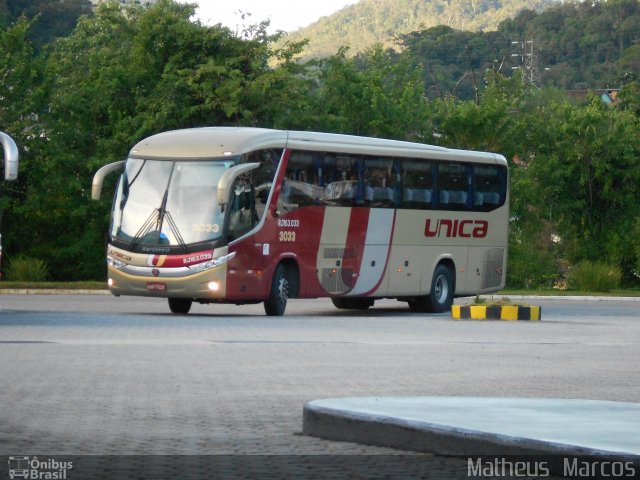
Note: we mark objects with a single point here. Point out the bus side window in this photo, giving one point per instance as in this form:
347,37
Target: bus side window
301,185
489,187
453,182
242,213
417,184
345,188
262,178
380,183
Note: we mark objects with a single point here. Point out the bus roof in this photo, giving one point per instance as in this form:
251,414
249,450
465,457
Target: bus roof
212,142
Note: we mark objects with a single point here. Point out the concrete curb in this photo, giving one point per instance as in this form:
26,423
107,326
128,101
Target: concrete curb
475,426
560,297
496,312
51,291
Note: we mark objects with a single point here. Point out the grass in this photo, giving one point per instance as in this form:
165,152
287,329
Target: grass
594,276
102,285
620,292
86,285
23,268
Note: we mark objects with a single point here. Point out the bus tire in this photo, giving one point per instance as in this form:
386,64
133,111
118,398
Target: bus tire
352,303
359,303
340,303
180,305
440,296
276,304
415,305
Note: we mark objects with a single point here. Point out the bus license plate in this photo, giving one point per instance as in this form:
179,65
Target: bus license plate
156,286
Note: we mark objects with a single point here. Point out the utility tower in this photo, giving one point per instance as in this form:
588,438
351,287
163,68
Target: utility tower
528,61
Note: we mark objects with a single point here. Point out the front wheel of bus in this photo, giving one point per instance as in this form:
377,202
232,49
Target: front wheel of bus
277,301
180,305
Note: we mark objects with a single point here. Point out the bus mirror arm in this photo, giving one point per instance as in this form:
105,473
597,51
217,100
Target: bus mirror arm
98,178
10,156
227,179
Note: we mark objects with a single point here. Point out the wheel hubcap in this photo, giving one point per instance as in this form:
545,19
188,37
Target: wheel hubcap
441,289
283,290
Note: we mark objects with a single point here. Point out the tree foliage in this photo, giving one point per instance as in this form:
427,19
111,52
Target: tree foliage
360,96
122,74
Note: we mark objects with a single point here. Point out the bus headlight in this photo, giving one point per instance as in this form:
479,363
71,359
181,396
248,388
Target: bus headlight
112,262
213,286
216,262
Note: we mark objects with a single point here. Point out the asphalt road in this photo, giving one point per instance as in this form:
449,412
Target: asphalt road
98,375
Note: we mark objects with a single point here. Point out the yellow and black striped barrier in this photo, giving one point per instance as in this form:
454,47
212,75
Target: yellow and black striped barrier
495,312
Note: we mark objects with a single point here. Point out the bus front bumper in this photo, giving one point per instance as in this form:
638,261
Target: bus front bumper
208,284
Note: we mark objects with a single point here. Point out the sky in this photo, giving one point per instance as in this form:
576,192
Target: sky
287,15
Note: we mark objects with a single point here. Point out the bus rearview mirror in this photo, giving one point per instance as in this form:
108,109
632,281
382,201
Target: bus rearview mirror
10,157
98,178
227,179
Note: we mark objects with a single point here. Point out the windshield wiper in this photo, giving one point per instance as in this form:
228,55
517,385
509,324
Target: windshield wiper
157,218
126,184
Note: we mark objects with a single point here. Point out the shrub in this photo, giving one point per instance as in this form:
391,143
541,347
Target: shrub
27,269
590,276
530,267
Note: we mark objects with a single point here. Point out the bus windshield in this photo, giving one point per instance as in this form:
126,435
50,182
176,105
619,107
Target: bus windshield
160,203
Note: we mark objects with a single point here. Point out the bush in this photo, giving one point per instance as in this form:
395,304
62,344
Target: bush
27,269
530,267
590,276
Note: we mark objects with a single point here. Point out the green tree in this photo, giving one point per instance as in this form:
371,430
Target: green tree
630,97
21,104
374,94
123,74
585,173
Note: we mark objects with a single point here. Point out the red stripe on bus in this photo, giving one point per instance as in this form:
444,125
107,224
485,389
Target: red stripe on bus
356,235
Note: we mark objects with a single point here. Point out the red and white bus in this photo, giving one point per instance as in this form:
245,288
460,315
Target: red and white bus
247,215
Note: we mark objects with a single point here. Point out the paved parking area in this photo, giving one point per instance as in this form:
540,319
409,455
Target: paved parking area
103,376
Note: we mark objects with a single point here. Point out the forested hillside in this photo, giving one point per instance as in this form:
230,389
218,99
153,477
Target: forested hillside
569,46
368,22
50,19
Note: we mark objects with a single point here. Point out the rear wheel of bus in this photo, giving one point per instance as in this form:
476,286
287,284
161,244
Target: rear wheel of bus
180,305
352,303
276,304
440,297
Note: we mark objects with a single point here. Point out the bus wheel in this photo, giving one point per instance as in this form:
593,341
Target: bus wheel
340,303
352,303
415,305
277,301
359,303
440,297
180,305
